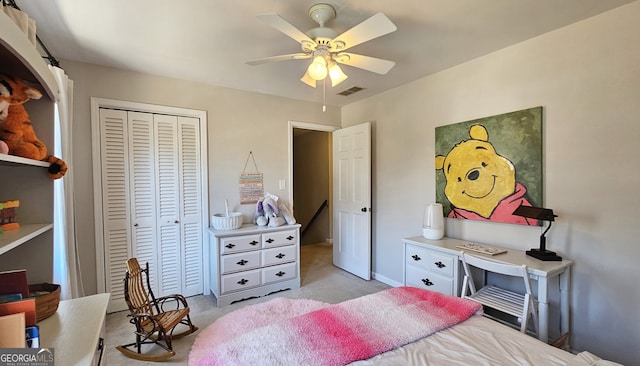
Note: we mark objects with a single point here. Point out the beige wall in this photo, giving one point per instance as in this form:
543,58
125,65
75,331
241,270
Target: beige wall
238,122
587,78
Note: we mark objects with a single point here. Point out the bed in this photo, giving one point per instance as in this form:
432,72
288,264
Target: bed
399,326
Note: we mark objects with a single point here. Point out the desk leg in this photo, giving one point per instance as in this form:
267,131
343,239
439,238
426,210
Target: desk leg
543,309
565,308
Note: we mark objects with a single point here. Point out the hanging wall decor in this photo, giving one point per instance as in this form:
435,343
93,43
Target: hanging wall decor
486,168
251,186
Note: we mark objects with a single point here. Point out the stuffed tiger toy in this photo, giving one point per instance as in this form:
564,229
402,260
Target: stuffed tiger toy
15,125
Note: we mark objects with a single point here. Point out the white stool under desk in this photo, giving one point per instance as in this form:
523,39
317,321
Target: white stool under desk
435,265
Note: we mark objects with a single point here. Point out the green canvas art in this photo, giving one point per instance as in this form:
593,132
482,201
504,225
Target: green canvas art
487,167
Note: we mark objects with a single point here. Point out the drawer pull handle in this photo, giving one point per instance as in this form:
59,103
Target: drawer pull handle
269,240
253,242
440,264
280,256
242,262
415,257
230,245
280,274
290,237
427,282
243,282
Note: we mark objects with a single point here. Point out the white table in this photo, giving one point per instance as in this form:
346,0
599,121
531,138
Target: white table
540,271
74,331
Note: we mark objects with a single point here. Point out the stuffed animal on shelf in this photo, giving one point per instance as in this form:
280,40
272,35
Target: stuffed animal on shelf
16,129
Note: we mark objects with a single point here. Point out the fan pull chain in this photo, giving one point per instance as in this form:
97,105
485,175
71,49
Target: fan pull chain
324,92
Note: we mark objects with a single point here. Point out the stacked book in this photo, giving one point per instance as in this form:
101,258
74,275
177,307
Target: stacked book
18,328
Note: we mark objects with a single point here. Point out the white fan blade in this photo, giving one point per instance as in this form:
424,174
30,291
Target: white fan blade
277,22
377,65
374,27
292,56
307,79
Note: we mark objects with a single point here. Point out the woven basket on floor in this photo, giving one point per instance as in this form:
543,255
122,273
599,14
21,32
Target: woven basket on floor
47,299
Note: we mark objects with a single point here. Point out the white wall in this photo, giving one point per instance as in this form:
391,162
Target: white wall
238,122
587,78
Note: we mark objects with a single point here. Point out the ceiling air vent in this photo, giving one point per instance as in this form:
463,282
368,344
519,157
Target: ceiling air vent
353,89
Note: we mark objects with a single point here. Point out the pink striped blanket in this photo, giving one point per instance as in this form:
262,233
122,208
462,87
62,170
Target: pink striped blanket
346,332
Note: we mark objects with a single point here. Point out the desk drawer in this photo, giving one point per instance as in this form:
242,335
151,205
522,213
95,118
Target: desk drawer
240,262
241,280
279,255
433,261
279,273
239,244
429,281
279,238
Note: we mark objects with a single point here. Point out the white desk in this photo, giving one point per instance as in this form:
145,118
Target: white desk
74,331
540,271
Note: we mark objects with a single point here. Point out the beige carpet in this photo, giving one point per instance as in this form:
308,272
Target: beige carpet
320,281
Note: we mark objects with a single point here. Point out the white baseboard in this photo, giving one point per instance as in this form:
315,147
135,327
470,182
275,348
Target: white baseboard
386,280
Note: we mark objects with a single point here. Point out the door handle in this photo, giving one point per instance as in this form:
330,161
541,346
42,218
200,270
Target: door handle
364,209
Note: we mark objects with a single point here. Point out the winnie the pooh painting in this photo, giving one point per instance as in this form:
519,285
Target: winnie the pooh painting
478,175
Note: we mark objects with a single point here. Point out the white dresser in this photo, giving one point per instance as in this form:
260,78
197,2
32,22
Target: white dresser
253,261
431,267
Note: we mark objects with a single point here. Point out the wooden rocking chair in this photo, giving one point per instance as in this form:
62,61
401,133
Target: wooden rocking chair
155,319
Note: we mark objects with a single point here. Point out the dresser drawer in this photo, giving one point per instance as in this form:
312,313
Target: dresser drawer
279,238
429,281
279,273
240,262
430,260
279,255
239,244
241,280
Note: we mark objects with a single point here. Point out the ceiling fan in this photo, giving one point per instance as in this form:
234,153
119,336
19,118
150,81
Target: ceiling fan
326,47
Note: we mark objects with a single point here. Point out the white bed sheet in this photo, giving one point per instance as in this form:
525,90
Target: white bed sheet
476,341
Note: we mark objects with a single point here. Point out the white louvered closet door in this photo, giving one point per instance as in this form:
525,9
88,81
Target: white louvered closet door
191,207
151,179
142,192
115,202
179,207
168,204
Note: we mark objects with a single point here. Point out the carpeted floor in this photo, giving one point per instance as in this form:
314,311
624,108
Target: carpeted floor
321,281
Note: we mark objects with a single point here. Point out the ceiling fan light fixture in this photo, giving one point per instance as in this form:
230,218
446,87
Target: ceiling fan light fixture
318,68
307,79
336,74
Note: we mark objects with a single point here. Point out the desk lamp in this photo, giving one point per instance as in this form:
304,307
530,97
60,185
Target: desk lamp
543,214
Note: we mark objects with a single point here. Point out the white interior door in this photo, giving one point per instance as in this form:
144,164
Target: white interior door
352,199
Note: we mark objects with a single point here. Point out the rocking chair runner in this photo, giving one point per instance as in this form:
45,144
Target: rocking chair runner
154,324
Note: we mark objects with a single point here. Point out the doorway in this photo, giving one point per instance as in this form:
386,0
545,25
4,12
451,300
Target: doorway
311,180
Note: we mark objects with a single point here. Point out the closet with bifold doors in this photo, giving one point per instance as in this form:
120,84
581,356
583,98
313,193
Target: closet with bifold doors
152,185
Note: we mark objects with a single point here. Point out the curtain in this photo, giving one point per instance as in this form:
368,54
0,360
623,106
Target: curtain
66,264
